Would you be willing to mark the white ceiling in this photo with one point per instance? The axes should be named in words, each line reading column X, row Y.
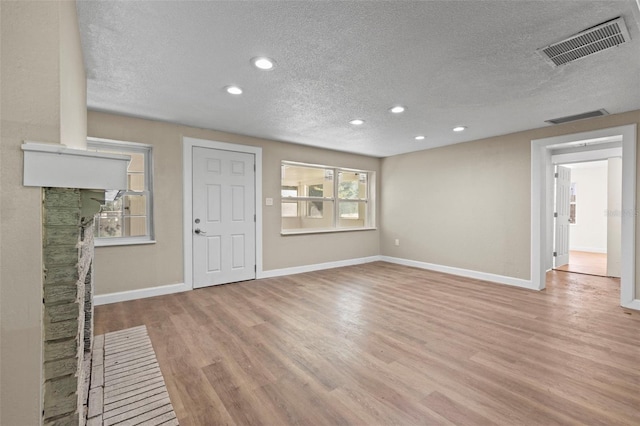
column 471, row 63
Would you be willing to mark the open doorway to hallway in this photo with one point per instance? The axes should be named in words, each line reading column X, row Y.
column 593, row 197
column 542, row 153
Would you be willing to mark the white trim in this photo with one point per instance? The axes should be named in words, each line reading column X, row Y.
column 540, row 211
column 187, row 171
column 123, row 296
column 589, row 249
column 586, row 156
column 484, row 276
column 121, row 241
column 126, row 145
column 634, row 304
column 324, row 231
column 98, row 144
column 317, row 267
column 370, row 200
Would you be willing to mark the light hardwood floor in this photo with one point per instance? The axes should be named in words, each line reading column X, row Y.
column 380, row 344
column 584, row 262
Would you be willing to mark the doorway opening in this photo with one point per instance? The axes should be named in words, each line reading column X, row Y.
column 587, row 199
column 542, row 203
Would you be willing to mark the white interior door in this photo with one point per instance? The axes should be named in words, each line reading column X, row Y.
column 563, row 200
column 224, row 228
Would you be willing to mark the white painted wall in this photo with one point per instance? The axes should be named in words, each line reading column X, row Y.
column 589, row 233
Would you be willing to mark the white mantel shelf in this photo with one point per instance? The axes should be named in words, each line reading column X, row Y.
column 56, row 166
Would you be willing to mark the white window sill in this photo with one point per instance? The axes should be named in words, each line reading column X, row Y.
column 325, row 231
column 111, row 242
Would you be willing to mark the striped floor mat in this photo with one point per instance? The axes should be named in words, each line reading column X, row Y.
column 127, row 387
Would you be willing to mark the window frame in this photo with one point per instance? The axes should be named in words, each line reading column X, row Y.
column 370, row 200
column 110, row 145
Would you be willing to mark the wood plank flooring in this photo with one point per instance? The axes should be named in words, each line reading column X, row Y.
column 380, row 344
column 584, row 262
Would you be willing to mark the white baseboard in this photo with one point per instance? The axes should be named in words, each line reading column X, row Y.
column 317, row 267
column 634, row 304
column 589, row 249
column 500, row 279
column 123, row 296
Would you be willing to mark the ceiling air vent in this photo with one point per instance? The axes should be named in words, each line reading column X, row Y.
column 592, row 40
column 590, row 114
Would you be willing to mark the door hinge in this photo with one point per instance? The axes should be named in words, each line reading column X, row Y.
column 555, row 254
column 255, row 268
column 254, row 217
column 555, row 175
column 254, row 167
column 555, row 214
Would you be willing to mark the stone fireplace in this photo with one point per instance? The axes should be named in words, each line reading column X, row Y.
column 68, row 300
column 73, row 185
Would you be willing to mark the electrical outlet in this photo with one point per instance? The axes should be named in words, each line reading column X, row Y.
column 268, row 201
column 397, row 242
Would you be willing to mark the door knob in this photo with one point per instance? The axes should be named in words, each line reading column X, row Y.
column 199, row 232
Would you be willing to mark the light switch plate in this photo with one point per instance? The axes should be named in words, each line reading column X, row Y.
column 268, row 201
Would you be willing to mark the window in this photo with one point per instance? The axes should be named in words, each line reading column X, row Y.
column 322, row 199
column 127, row 216
column 572, row 204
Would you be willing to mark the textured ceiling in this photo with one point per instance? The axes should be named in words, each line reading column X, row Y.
column 471, row 63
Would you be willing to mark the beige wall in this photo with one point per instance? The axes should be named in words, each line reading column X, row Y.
column 469, row 205
column 136, row 267
column 30, row 90
column 464, row 205
column 73, row 81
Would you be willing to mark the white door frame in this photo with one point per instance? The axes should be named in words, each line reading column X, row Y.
column 542, row 209
column 187, row 170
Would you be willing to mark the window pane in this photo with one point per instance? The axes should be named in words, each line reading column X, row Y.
column 352, row 214
column 108, row 225
column 309, row 181
column 137, row 162
column 135, row 205
column 135, row 226
column 289, row 191
column 136, row 182
column 289, row 209
column 113, row 205
column 308, row 215
column 316, row 190
column 352, row 185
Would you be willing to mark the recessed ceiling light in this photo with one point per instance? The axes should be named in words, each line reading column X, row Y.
column 459, row 128
column 357, row 122
column 263, row 63
column 419, row 138
column 233, row 90
column 397, row 109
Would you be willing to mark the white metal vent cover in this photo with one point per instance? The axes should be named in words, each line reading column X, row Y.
column 592, row 40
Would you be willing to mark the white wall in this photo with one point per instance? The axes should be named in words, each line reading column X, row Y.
column 589, row 233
